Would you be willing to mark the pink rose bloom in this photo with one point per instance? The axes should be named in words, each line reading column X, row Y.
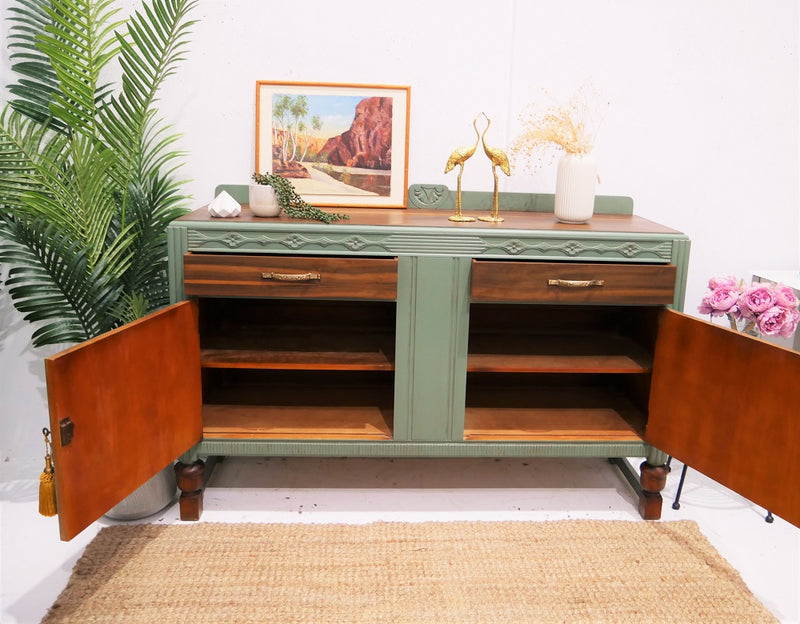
column 755, row 299
column 790, row 326
column 719, row 301
column 771, row 321
column 721, row 282
column 784, row 296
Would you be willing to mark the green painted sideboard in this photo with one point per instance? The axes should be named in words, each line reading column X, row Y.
column 398, row 333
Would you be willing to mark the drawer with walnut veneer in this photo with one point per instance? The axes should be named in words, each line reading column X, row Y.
column 317, row 277
column 572, row 282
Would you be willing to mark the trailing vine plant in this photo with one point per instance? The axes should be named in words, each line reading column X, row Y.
column 291, row 203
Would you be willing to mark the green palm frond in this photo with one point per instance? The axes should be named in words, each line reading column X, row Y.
column 154, row 45
column 58, row 179
column 146, row 282
column 156, row 155
column 21, row 141
column 86, row 168
column 89, row 193
column 51, row 283
column 38, row 82
column 79, row 42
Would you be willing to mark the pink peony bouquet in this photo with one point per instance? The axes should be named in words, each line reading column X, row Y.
column 760, row 308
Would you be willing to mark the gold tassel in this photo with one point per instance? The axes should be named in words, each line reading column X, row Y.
column 47, row 481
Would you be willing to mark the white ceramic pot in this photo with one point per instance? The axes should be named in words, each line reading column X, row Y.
column 576, row 181
column 263, row 201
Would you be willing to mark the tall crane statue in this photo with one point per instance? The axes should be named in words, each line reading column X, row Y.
column 459, row 156
column 499, row 159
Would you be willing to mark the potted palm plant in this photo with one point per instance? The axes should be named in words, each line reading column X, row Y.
column 87, row 182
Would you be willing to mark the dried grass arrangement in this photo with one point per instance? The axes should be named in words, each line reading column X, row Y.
column 553, row 128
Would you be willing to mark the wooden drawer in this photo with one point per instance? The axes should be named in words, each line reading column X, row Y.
column 566, row 282
column 315, row 277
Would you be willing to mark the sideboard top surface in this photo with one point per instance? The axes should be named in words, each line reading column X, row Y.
column 528, row 232
column 433, row 218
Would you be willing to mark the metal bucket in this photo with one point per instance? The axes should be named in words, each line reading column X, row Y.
column 152, row 496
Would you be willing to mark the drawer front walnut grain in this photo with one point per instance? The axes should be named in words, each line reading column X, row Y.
column 565, row 282
column 314, row 277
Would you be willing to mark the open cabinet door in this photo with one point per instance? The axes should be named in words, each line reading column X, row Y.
column 728, row 405
column 122, row 407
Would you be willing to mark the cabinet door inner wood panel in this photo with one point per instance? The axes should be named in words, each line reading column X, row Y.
column 567, row 282
column 726, row 404
column 316, row 277
column 133, row 395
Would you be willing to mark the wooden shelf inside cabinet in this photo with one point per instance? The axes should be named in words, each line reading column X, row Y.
column 563, row 414
column 301, row 350
column 297, row 335
column 292, row 405
column 297, row 422
column 556, row 352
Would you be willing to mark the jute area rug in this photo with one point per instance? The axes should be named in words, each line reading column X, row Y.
column 454, row 572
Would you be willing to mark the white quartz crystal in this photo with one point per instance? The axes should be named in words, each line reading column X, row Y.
column 224, row 206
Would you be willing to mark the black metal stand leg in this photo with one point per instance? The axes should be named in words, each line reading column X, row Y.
column 677, row 502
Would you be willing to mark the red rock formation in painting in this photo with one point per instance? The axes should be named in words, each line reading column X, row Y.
column 368, row 142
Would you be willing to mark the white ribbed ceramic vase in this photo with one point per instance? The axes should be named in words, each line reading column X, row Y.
column 576, row 181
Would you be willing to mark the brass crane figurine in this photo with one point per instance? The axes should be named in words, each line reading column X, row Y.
column 499, row 159
column 459, row 156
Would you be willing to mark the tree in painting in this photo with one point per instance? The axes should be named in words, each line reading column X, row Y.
column 341, row 143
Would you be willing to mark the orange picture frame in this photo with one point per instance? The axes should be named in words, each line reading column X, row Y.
column 339, row 144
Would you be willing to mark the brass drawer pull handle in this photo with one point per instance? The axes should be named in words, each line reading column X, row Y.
column 575, row 283
column 291, row 277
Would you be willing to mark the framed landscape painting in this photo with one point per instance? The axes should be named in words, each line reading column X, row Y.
column 339, row 144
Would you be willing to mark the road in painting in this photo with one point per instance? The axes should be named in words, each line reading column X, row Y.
column 333, row 144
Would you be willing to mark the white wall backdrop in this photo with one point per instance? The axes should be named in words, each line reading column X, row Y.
column 701, row 129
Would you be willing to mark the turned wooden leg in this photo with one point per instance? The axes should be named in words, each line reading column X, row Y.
column 190, row 481
column 653, row 480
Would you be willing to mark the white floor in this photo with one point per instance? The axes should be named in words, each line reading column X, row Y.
column 36, row 565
